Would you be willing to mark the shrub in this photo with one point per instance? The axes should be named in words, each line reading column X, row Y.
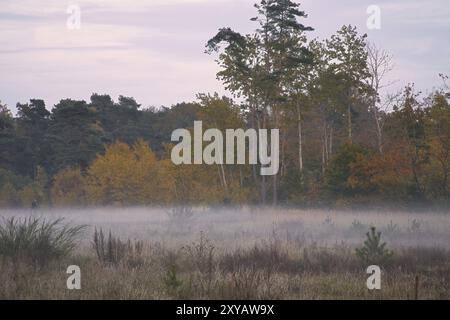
column 171, row 281
column 339, row 172
column 374, row 251
column 37, row 241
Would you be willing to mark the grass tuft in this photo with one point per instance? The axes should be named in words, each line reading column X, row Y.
column 37, row 241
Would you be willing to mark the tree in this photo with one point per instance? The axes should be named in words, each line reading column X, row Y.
column 380, row 64
column 118, row 120
column 222, row 113
column 326, row 92
column 74, row 134
column 32, row 124
column 5, row 117
column 408, row 121
column 68, row 188
column 259, row 65
column 340, row 169
column 348, row 60
column 127, row 175
column 10, row 184
column 374, row 250
column 161, row 123
column 437, row 130
column 8, row 140
column 381, row 177
column 35, row 193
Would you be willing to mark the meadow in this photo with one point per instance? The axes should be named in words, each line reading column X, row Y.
column 217, row 253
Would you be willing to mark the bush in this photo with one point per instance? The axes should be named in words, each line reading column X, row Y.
column 340, row 169
column 374, row 251
column 37, row 241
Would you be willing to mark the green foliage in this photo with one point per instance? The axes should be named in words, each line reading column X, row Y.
column 340, row 168
column 9, row 148
column 294, row 186
column 74, row 135
column 336, row 146
column 10, row 185
column 37, row 241
column 32, row 121
column 374, row 250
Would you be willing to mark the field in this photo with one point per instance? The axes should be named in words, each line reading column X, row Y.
column 248, row 253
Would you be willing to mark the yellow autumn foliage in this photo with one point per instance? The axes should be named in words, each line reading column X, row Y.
column 127, row 175
column 68, row 188
column 133, row 176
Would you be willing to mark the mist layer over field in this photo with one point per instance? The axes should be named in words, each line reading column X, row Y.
column 232, row 228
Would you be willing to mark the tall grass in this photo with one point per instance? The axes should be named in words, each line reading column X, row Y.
column 37, row 241
column 113, row 251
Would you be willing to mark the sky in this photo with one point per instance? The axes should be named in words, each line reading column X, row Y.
column 153, row 50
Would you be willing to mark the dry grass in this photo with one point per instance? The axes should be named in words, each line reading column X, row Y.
column 286, row 254
column 269, row 270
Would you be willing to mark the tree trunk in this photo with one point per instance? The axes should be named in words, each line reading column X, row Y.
column 283, row 155
column 323, row 159
column 324, row 148
column 254, row 125
column 349, row 119
column 275, row 191
column 330, row 149
column 263, row 178
column 325, row 144
column 300, row 139
column 378, row 126
column 275, row 178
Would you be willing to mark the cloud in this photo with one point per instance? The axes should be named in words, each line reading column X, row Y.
column 153, row 50
column 46, row 8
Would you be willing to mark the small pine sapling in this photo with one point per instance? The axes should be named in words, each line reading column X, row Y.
column 374, row 250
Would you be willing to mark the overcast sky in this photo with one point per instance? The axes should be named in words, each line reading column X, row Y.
column 153, row 50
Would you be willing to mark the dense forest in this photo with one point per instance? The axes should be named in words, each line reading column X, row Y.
column 344, row 140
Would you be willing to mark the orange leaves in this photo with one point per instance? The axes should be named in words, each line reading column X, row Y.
column 386, row 175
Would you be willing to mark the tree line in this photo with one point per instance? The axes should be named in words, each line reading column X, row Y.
column 343, row 142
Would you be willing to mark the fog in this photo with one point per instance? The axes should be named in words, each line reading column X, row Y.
column 232, row 228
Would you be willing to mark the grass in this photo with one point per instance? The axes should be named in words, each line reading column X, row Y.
column 272, row 269
column 36, row 241
column 113, row 251
column 144, row 253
